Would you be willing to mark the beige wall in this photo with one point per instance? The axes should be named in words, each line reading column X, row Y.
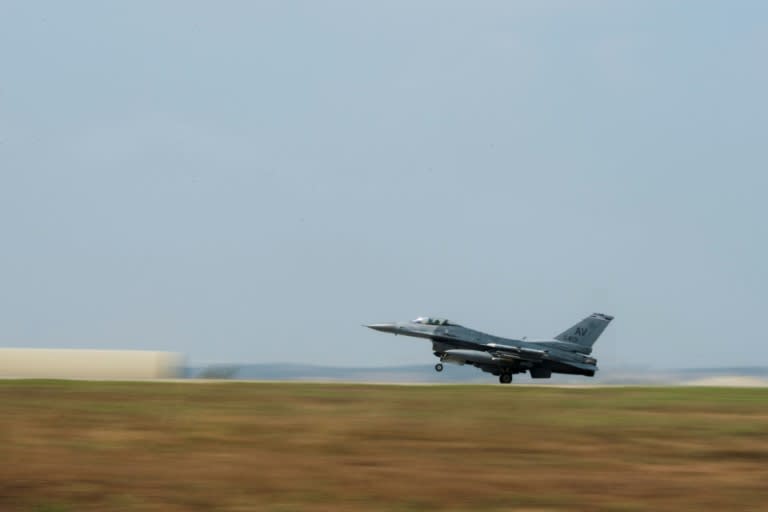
column 88, row 364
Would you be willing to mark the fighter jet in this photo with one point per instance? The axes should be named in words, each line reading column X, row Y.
column 568, row 352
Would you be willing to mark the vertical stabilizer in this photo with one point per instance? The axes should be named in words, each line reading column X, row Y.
column 587, row 331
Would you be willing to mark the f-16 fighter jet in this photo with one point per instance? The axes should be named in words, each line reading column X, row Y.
column 568, row 352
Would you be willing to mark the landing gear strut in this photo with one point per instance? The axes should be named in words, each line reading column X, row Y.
column 505, row 378
column 438, row 367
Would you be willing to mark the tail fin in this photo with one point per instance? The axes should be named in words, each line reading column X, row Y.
column 587, row 331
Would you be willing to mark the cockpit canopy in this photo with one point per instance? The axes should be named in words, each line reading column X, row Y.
column 432, row 321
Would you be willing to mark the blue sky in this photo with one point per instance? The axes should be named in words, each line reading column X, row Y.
column 251, row 181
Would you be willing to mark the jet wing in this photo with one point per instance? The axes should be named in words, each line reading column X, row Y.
column 512, row 352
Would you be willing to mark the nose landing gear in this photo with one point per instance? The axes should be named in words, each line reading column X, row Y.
column 438, row 367
column 505, row 378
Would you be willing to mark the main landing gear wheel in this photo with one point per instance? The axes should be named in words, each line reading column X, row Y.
column 505, row 378
column 438, row 367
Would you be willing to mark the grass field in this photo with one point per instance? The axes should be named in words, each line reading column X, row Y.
column 86, row 446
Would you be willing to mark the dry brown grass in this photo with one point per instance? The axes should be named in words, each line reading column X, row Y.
column 78, row 446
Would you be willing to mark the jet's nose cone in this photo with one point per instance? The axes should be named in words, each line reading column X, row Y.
column 383, row 327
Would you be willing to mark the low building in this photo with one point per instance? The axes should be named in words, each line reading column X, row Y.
column 30, row 363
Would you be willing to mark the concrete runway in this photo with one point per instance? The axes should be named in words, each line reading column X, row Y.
column 723, row 382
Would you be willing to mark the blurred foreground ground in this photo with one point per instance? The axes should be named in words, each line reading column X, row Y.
column 97, row 446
